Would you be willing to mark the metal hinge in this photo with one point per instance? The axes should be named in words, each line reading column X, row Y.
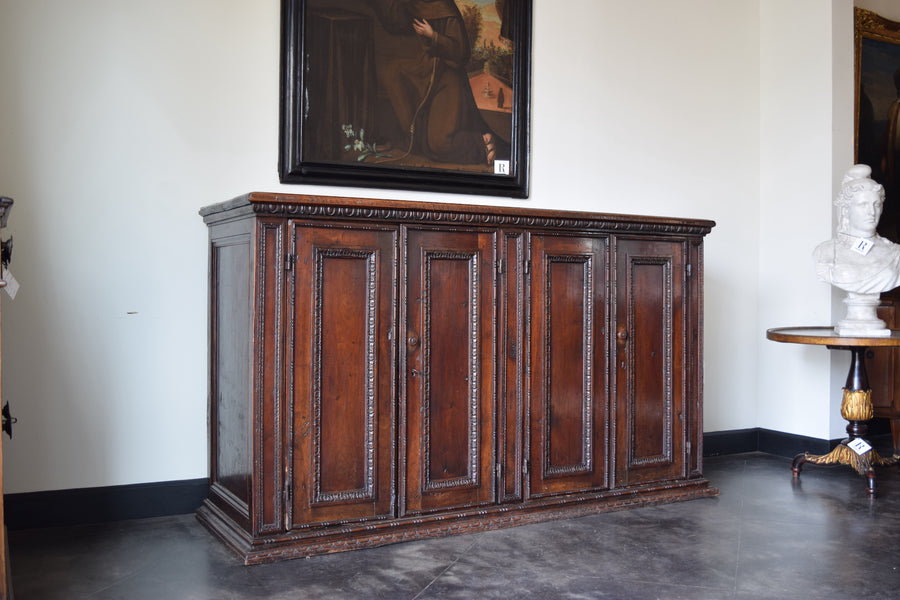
column 688, row 269
column 289, row 262
column 527, row 266
column 526, row 466
column 498, row 471
column 500, row 266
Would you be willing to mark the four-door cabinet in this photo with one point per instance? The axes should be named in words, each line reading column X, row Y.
column 383, row 371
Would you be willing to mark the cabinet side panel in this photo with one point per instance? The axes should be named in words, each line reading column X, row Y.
column 230, row 362
column 693, row 366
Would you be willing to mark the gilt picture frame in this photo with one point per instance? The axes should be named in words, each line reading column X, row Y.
column 426, row 95
column 877, row 109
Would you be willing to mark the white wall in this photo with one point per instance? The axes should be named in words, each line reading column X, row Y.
column 120, row 120
column 797, row 179
column 807, row 102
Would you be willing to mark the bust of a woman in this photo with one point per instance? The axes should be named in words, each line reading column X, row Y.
column 858, row 260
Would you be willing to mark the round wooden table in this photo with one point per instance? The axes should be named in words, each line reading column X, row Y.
column 856, row 404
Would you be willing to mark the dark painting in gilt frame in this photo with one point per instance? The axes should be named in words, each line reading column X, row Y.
column 878, row 109
column 427, row 95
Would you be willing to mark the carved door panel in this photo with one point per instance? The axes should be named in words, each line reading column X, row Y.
column 650, row 361
column 568, row 387
column 341, row 359
column 448, row 368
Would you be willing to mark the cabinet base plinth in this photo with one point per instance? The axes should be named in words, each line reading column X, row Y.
column 370, row 534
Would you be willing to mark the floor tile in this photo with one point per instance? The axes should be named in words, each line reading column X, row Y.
column 767, row 535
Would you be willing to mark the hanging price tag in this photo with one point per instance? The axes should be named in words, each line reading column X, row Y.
column 12, row 286
column 862, row 246
column 860, row 446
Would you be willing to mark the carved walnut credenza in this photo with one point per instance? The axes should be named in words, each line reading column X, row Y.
column 382, row 371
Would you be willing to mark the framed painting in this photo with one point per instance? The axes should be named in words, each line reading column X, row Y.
column 429, row 95
column 877, row 109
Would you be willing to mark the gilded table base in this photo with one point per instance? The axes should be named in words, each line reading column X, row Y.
column 856, row 407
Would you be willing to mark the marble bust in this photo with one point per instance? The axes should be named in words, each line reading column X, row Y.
column 857, row 259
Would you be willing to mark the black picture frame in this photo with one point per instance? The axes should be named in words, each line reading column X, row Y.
column 336, row 56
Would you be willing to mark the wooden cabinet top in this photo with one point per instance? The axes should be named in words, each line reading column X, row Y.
column 397, row 211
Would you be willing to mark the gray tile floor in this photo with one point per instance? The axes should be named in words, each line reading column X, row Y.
column 765, row 536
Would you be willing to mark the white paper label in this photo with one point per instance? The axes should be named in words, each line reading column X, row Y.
column 501, row 167
column 862, row 246
column 860, row 446
column 12, row 286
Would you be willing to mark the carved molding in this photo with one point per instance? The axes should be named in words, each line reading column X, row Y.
column 870, row 24
column 368, row 491
column 473, row 371
column 268, row 367
column 292, row 207
column 587, row 436
column 369, row 535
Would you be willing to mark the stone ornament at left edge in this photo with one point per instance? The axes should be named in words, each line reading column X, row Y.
column 857, row 259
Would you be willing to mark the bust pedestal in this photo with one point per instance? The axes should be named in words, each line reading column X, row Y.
column 862, row 319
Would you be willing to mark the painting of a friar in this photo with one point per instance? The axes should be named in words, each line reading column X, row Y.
column 415, row 83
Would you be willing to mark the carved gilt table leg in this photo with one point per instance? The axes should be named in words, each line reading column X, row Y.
column 857, row 409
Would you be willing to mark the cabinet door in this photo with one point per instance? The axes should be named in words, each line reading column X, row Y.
column 650, row 361
column 342, row 366
column 449, row 369
column 568, row 386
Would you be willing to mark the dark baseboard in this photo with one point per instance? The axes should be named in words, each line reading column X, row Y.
column 736, row 441
column 790, row 445
column 59, row 508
